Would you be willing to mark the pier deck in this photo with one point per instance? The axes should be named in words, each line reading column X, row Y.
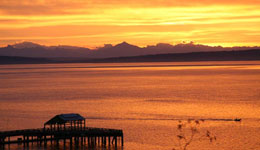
column 84, row 135
column 64, row 127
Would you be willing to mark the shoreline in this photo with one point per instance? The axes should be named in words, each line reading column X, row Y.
column 245, row 55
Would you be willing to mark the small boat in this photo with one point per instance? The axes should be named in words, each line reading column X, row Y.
column 237, row 119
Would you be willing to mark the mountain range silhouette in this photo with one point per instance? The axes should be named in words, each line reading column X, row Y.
column 124, row 49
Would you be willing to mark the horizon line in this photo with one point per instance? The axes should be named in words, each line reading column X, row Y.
column 102, row 46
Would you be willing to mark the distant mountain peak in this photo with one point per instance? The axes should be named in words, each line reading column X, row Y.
column 26, row 45
column 124, row 44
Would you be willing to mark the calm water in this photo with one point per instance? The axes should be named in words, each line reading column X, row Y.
column 146, row 100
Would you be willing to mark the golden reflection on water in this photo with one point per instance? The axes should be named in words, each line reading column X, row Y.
column 146, row 100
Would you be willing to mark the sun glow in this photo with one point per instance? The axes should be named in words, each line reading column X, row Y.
column 93, row 24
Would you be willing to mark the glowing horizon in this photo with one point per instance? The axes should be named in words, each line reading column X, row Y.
column 94, row 23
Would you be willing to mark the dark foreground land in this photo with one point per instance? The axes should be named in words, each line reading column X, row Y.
column 244, row 55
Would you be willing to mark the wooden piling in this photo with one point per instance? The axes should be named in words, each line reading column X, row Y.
column 115, row 141
column 122, row 140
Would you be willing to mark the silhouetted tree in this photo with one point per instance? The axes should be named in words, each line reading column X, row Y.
column 194, row 133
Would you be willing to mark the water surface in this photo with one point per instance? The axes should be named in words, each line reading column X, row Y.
column 146, row 100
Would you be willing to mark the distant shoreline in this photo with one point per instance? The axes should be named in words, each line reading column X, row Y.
column 242, row 55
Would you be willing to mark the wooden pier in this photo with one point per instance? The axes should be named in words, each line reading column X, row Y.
column 72, row 131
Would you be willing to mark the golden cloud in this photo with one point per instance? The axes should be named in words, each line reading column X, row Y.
column 103, row 21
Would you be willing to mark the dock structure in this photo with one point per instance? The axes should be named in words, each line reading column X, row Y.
column 64, row 128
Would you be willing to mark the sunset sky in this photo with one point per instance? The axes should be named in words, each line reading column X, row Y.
column 92, row 23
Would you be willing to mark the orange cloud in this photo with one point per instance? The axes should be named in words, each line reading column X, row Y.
column 40, row 7
column 93, row 23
